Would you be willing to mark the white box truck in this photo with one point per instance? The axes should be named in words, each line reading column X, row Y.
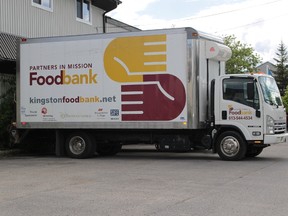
column 163, row 87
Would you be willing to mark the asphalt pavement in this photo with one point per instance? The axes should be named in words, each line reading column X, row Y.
column 142, row 181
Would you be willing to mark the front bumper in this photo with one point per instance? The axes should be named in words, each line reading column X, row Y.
column 276, row 138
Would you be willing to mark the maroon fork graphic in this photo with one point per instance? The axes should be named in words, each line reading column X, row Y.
column 161, row 97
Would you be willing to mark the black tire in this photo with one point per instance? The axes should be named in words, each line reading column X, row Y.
column 108, row 150
column 80, row 145
column 254, row 151
column 231, row 146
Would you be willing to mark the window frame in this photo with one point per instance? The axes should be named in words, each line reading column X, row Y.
column 42, row 6
column 79, row 19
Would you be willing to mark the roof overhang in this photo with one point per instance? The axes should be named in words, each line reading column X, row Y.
column 106, row 5
column 8, row 45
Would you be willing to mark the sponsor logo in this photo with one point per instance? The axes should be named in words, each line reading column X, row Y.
column 44, row 110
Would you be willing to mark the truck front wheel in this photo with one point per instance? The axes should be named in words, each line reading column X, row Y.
column 80, row 145
column 231, row 146
column 254, row 151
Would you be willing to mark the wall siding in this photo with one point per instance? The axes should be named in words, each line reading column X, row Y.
column 113, row 28
column 19, row 17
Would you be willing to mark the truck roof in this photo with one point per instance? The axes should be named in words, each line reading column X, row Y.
column 248, row 75
column 191, row 32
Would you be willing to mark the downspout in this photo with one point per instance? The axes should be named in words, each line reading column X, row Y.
column 104, row 15
column 104, row 20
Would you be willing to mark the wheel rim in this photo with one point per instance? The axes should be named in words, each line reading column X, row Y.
column 230, row 146
column 77, row 145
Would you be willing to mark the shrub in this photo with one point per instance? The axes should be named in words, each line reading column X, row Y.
column 7, row 109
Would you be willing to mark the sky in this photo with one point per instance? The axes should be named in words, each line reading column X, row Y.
column 262, row 24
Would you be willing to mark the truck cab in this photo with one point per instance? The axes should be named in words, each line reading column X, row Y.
column 247, row 106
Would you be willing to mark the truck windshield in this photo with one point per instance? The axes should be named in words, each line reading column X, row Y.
column 270, row 91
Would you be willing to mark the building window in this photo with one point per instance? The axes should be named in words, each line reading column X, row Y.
column 83, row 11
column 43, row 4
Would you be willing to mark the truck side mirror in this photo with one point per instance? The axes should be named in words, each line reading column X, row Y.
column 250, row 91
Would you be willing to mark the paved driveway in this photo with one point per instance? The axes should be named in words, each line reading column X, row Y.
column 145, row 182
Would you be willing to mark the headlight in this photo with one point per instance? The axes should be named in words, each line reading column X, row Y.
column 270, row 125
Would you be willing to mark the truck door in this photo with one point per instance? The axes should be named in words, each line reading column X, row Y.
column 240, row 106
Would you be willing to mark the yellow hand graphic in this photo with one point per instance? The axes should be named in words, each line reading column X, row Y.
column 127, row 59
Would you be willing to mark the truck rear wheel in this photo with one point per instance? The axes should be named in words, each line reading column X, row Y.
column 80, row 145
column 231, row 146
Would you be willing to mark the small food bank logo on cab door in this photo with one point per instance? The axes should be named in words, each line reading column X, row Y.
column 239, row 114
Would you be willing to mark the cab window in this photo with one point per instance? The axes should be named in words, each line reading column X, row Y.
column 236, row 89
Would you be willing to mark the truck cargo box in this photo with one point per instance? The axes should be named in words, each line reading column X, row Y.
column 122, row 80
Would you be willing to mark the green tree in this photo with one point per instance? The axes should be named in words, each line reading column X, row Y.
column 285, row 99
column 281, row 73
column 243, row 58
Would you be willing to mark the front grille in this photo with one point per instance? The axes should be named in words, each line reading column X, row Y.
column 279, row 127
